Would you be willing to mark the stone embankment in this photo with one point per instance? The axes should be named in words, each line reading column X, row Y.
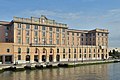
column 33, row 66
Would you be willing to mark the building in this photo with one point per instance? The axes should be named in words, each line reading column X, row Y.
column 43, row 40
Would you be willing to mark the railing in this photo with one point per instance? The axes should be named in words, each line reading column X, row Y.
column 42, row 45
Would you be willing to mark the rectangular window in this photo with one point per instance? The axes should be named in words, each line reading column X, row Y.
column 27, row 40
column 43, row 34
column 67, row 33
column 77, row 34
column 50, row 41
column 63, row 35
column 19, row 57
column 36, row 27
column 63, row 41
column 51, row 34
column 73, row 34
column 19, row 50
column 50, row 28
column 19, row 25
column 69, row 50
column 36, row 40
column 19, row 40
column 27, row 26
column 57, row 29
column 63, row 30
column 57, row 35
column 57, row 41
column 28, row 50
column 19, row 32
column 43, row 28
column 84, row 55
column 27, row 33
column 80, row 56
column 35, row 33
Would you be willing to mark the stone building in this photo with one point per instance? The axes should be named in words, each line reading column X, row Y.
column 43, row 40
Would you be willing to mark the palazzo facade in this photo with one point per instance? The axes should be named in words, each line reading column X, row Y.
column 30, row 40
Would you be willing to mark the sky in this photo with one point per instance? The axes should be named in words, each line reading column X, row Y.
column 78, row 14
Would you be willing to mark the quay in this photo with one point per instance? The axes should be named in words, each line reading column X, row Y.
column 47, row 65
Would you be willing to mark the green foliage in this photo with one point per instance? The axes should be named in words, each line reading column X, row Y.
column 114, row 54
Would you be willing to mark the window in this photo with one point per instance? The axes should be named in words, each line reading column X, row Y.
column 81, row 39
column 27, row 26
column 43, row 28
column 63, row 50
column 57, row 35
column 77, row 34
column 57, row 29
column 19, row 25
column 50, row 28
column 36, row 40
column 98, row 55
column 27, row 40
column 8, row 50
column 27, row 33
column 85, row 51
column 36, row 27
column 57, row 41
column 89, row 50
column 57, row 50
column 89, row 55
column 63, row 30
column 19, row 57
column 50, row 34
column 73, row 34
column 6, row 34
column 19, row 50
column 94, row 50
column 63, row 41
column 94, row 55
column 80, row 55
column 63, row 35
column 69, row 50
column 74, row 50
column 69, row 56
column 43, row 34
column 19, row 40
column 36, row 33
column 80, row 51
column 63, row 56
column 50, row 40
column 67, row 33
column 74, row 55
column 19, row 32
column 84, row 55
column 28, row 50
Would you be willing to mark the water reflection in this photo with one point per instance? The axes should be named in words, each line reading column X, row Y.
column 92, row 72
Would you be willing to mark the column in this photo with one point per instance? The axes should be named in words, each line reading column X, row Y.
column 3, row 59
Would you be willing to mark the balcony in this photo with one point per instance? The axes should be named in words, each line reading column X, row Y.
column 42, row 45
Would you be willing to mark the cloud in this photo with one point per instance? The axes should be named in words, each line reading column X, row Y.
column 58, row 14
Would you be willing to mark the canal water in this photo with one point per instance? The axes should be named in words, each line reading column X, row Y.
column 88, row 72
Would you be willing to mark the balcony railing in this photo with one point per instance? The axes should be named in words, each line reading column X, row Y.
column 42, row 45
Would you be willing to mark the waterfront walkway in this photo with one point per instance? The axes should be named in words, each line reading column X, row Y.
column 52, row 64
